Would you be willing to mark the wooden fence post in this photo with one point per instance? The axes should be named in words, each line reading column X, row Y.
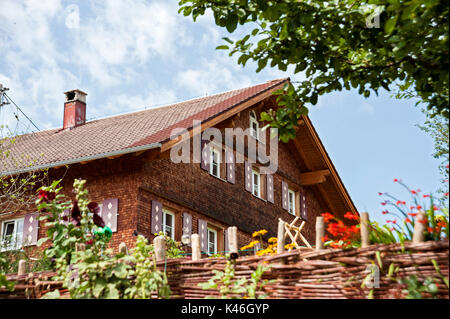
column 123, row 249
column 233, row 242
column 364, row 224
column 80, row 247
column 280, row 237
column 159, row 243
column 419, row 228
column 195, row 242
column 320, row 232
column 22, row 267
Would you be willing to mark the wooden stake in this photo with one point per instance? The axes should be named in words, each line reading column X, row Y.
column 280, row 239
column 233, row 241
column 320, row 232
column 419, row 228
column 22, row 267
column 195, row 242
column 159, row 244
column 123, row 248
column 364, row 217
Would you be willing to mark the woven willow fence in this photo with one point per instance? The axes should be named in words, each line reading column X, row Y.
column 302, row 273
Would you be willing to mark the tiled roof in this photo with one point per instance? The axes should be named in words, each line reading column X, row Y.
column 128, row 131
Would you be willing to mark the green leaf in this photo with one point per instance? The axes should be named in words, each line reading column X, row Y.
column 52, row 295
column 390, row 25
column 41, row 241
column 222, row 47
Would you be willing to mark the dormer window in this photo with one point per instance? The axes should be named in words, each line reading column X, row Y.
column 254, row 125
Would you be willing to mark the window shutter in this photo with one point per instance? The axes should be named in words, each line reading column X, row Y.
column 303, row 210
column 156, row 217
column 187, row 223
column 203, row 233
column 230, row 166
column 284, row 195
column 269, row 188
column 109, row 212
column 206, row 155
column 30, row 229
column 248, row 176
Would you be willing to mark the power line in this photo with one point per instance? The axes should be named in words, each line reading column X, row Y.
column 6, row 99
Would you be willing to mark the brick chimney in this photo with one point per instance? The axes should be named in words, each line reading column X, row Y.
column 74, row 109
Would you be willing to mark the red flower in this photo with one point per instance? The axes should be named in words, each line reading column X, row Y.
column 350, row 216
column 89, row 242
column 395, row 180
column 388, row 221
column 446, row 194
column 435, row 207
column 383, row 203
column 46, row 196
column 426, row 195
column 423, row 221
column 419, row 207
column 325, row 238
column 327, row 217
column 394, row 221
column 411, row 207
column 384, row 212
column 430, row 229
column 412, row 214
column 413, row 192
column 407, row 220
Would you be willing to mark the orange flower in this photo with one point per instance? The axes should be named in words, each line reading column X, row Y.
column 327, row 217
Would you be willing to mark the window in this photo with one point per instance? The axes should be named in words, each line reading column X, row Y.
column 291, row 199
column 254, row 125
column 256, row 183
column 11, row 234
column 215, row 162
column 212, row 241
column 168, row 225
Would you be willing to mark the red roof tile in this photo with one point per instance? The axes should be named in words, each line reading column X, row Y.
column 119, row 133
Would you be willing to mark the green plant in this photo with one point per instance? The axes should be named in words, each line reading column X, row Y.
column 3, row 281
column 173, row 248
column 231, row 287
column 92, row 270
column 415, row 288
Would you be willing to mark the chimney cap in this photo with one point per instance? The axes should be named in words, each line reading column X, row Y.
column 76, row 90
column 76, row 94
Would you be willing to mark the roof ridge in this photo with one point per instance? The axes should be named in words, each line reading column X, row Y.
column 189, row 100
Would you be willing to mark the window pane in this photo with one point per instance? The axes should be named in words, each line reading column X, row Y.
column 211, row 242
column 8, row 229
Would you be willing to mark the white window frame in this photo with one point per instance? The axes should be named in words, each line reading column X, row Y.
column 211, row 163
column 165, row 213
column 293, row 211
column 254, row 120
column 215, row 241
column 258, row 189
column 18, row 243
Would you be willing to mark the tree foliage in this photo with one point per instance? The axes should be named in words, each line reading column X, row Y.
column 338, row 45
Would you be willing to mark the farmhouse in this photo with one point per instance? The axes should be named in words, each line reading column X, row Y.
column 127, row 163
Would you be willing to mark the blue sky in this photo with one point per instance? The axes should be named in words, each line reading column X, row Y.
column 130, row 55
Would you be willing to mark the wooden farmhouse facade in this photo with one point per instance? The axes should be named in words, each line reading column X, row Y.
column 127, row 163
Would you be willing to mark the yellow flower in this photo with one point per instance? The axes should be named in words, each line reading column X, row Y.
column 253, row 243
column 259, row 232
column 272, row 240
